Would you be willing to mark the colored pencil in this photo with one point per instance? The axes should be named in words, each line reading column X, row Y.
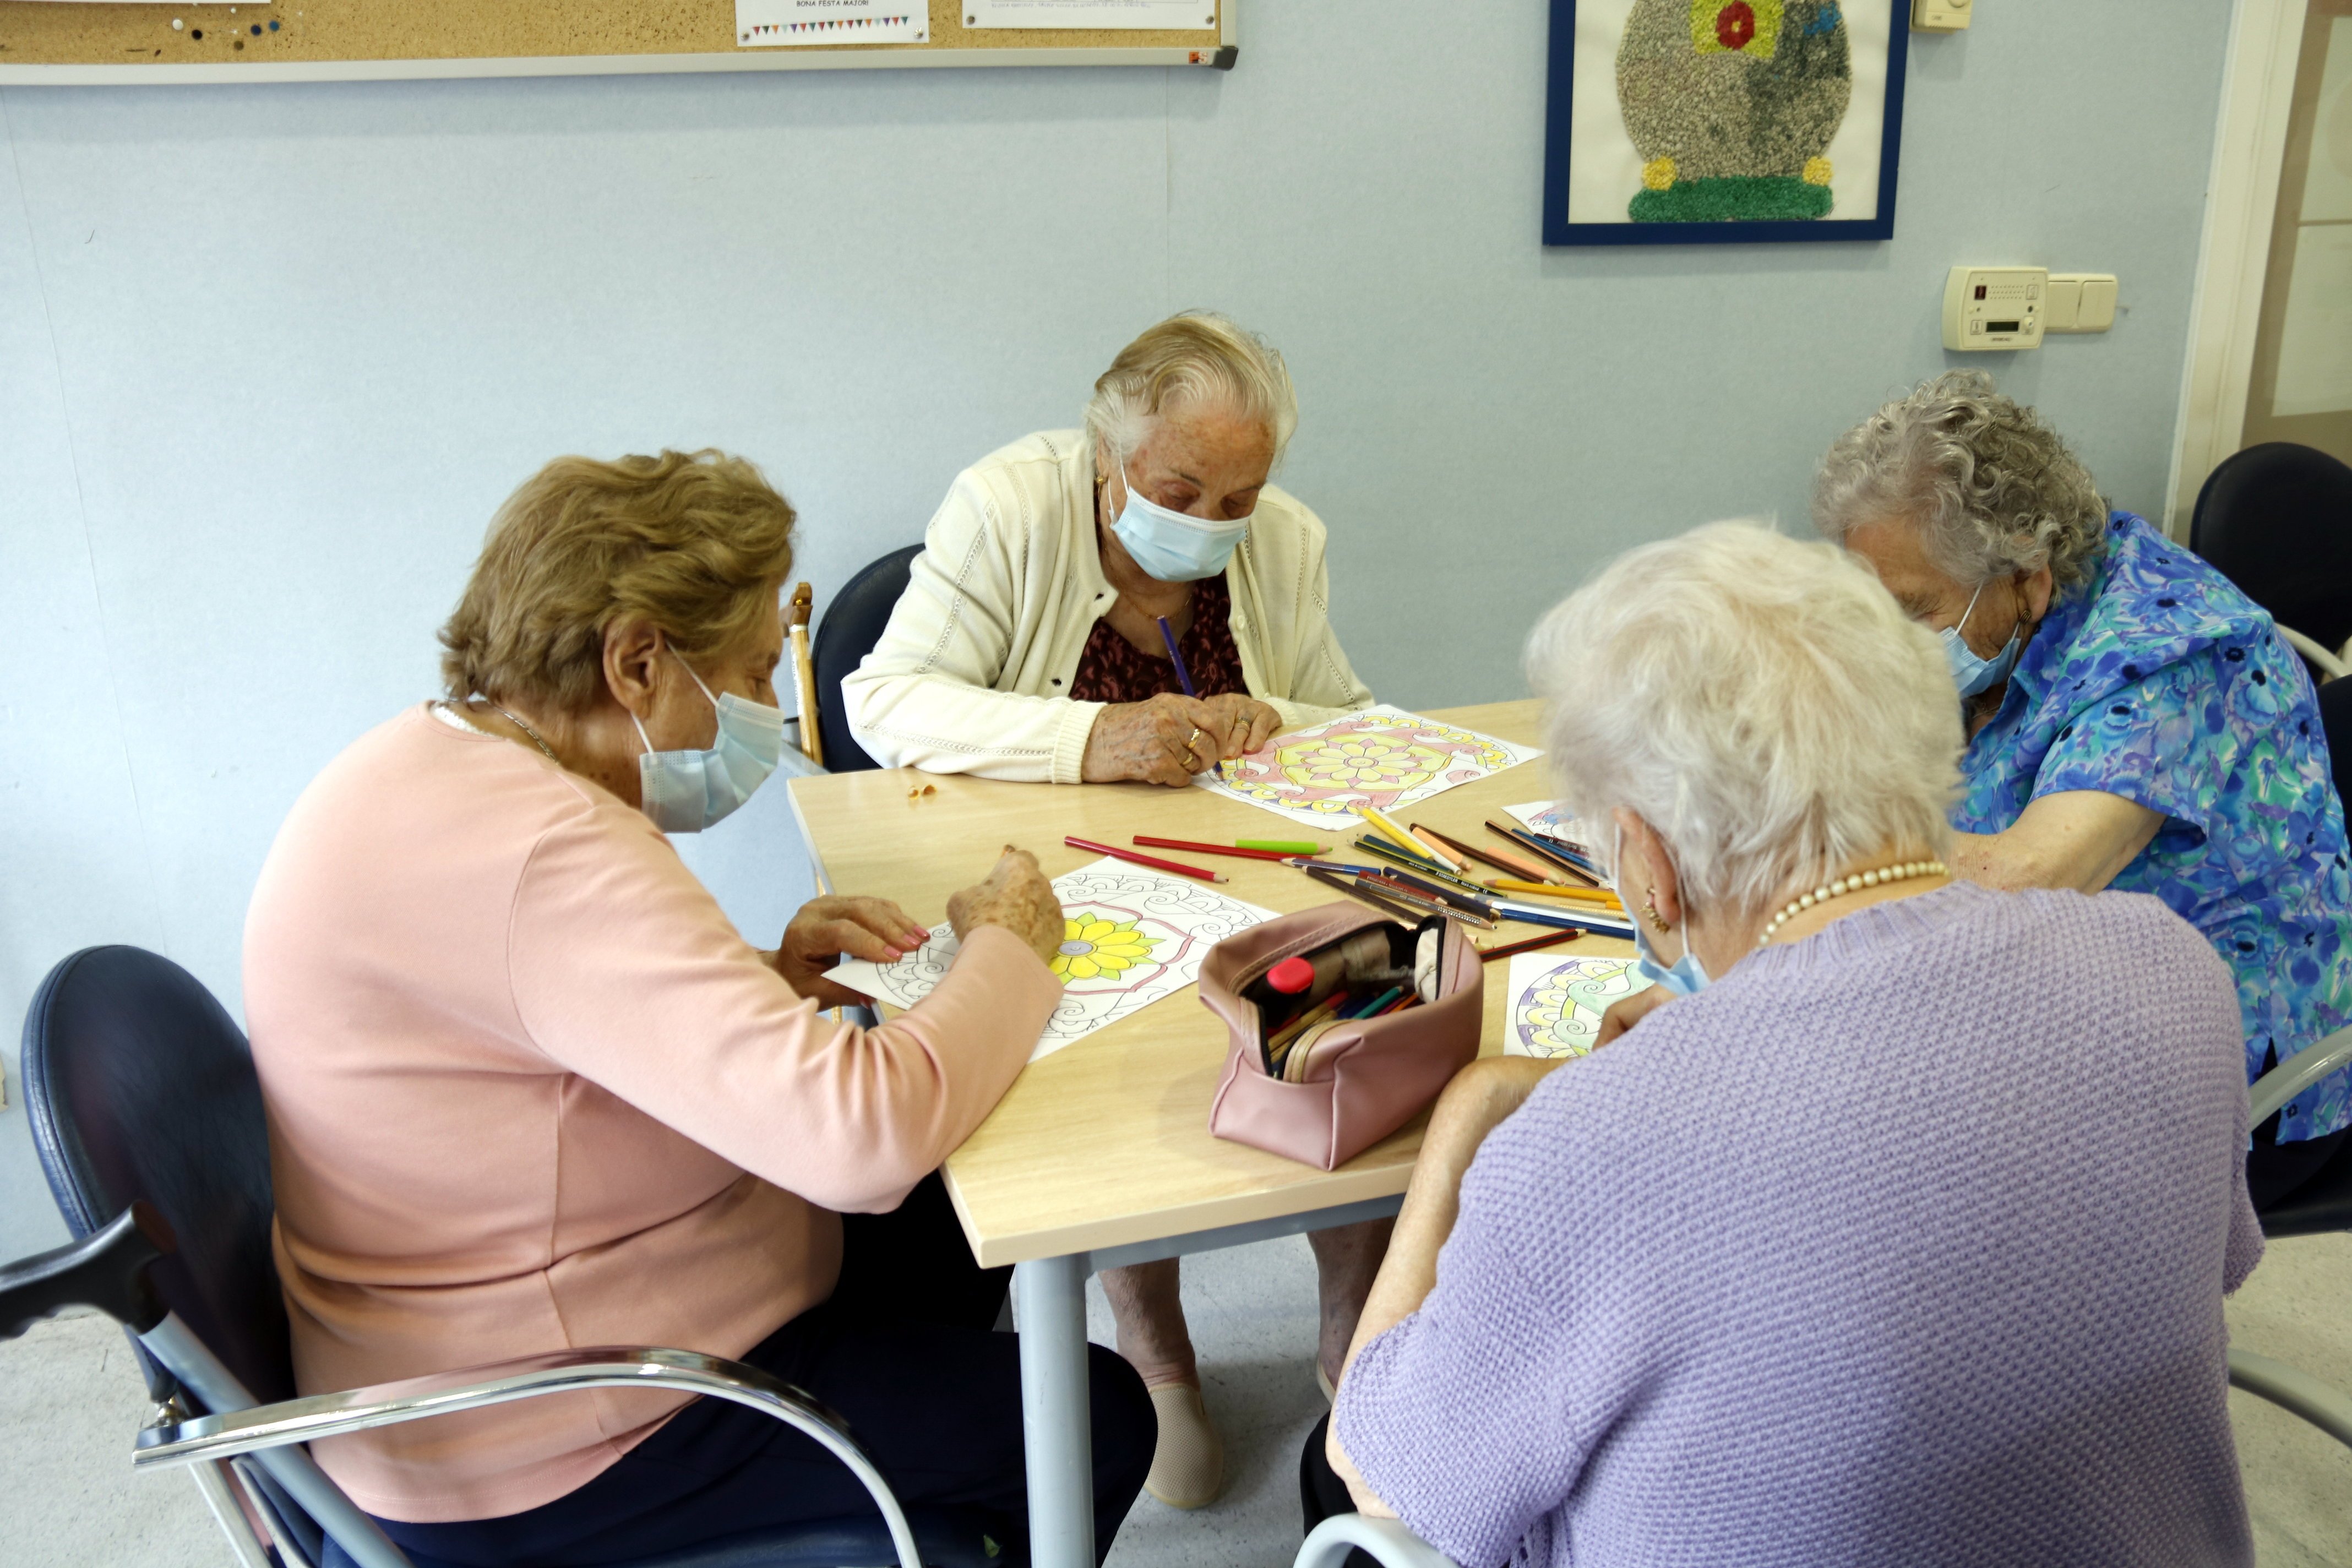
column 1528, row 914
column 1235, row 850
column 1550, row 890
column 1400, row 1004
column 1132, row 857
column 1528, row 945
column 1430, row 888
column 1280, row 846
column 1437, row 846
column 1395, row 908
column 1382, row 849
column 1183, row 676
column 1404, row 841
column 1378, row 1003
column 1425, row 903
column 1522, row 837
column 1501, row 859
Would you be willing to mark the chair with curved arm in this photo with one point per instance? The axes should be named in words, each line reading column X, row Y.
column 147, row 1117
column 2321, row 1203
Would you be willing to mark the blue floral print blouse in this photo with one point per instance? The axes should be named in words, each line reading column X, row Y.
column 2158, row 682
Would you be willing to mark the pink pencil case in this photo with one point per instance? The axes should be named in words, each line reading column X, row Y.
column 1360, row 1080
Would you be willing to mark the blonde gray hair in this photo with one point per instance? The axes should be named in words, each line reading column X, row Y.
column 1990, row 487
column 1197, row 356
column 1760, row 702
column 696, row 542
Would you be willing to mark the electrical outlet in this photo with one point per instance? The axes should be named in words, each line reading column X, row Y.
column 1994, row 308
column 1940, row 16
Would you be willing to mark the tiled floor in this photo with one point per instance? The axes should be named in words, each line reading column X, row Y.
column 69, row 1402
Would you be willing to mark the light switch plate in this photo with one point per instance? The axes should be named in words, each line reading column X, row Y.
column 1940, row 16
column 1994, row 308
column 2080, row 302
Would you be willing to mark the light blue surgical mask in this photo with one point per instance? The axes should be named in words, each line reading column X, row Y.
column 1970, row 673
column 686, row 792
column 1687, row 976
column 1174, row 546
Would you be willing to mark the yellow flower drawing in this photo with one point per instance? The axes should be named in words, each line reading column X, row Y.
column 1094, row 948
column 1363, row 762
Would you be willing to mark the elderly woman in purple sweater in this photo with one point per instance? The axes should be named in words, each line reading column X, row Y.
column 1899, row 1235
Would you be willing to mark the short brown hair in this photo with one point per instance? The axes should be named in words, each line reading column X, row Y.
column 697, row 542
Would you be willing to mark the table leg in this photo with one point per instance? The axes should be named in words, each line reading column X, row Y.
column 1049, row 1299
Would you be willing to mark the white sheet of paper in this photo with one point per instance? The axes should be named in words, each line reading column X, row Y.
column 1381, row 757
column 1187, row 15
column 1557, row 1003
column 1546, row 817
column 770, row 23
column 1130, row 938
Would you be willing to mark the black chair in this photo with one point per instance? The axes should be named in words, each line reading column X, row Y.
column 2336, row 719
column 2276, row 520
column 147, row 1117
column 852, row 625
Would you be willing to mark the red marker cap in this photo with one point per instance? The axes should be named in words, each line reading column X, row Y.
column 1291, row 976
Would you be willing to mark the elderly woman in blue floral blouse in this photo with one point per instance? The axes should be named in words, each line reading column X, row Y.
column 2134, row 720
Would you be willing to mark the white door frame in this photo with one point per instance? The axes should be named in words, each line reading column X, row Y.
column 2240, row 200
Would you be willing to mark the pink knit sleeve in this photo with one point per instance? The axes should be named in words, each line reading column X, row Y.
column 625, row 971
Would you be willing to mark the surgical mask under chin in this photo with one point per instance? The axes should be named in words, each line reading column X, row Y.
column 1174, row 546
column 1970, row 673
column 1687, row 976
column 686, row 792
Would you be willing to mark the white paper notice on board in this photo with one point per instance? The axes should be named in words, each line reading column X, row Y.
column 1186, row 15
column 768, row 24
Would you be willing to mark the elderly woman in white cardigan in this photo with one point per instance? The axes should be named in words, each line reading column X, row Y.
column 1030, row 646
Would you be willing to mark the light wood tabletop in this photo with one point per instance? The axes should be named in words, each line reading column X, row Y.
column 1106, row 1143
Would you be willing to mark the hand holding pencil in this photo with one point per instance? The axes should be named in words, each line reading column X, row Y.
column 1168, row 739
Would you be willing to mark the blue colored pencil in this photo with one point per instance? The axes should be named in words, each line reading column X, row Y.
column 1183, row 676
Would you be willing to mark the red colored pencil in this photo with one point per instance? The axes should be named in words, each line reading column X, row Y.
column 1234, row 850
column 1157, row 864
column 1504, row 950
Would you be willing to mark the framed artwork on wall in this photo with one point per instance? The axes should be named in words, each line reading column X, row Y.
column 1700, row 122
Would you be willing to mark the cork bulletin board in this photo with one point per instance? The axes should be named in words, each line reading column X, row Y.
column 43, row 42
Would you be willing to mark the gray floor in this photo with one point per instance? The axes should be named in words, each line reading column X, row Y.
column 69, row 1402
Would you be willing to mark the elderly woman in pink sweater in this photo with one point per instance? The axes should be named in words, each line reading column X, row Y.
column 528, row 1089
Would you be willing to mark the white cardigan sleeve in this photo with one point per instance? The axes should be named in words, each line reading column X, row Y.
column 1323, row 684
column 926, row 697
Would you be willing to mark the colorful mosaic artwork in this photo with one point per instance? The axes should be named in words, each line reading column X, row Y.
column 1732, row 105
column 1130, row 938
column 1557, row 1003
column 1381, row 757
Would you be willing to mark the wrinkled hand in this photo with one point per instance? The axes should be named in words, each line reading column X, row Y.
column 1625, row 1014
column 826, row 928
column 1167, row 739
column 1015, row 896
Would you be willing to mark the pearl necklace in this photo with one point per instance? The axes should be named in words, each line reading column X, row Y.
column 1852, row 884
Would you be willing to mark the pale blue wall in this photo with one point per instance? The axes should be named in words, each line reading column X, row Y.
column 269, row 356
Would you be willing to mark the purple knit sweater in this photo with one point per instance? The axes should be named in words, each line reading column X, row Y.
column 1902, row 1244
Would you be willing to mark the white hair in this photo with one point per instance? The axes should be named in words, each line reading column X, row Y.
column 1197, row 356
column 1989, row 485
column 1761, row 702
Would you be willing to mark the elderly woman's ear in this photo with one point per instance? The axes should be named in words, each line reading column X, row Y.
column 633, row 648
column 1648, row 883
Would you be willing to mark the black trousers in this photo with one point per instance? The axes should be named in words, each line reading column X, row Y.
column 904, row 1350
column 2274, row 1170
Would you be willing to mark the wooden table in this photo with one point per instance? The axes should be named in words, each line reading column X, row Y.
column 1101, row 1154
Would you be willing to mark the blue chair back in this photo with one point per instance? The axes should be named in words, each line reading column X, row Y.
column 2276, row 520
column 853, row 623
column 138, row 1084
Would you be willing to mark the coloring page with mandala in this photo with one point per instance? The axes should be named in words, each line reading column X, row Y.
column 1557, row 1003
column 1383, row 757
column 1554, row 821
column 1129, row 937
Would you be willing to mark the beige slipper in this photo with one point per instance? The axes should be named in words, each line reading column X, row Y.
column 1188, row 1467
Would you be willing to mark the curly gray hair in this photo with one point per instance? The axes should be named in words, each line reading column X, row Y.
column 1990, row 486
column 1194, row 356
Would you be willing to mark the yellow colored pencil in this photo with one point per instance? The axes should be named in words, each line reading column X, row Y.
column 1556, row 890
column 1404, row 841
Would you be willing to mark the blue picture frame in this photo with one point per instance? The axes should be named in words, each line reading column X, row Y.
column 1560, row 121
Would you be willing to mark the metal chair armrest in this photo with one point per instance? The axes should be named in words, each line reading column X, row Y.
column 1388, row 1539
column 524, row 1377
column 2323, row 1058
column 2295, row 1390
